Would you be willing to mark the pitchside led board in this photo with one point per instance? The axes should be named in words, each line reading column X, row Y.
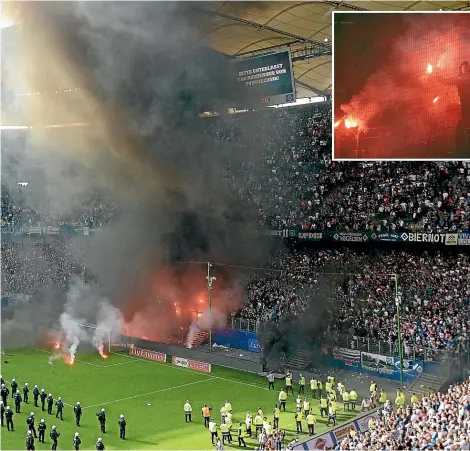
column 267, row 79
column 401, row 85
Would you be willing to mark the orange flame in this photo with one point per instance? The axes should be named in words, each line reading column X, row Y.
column 337, row 123
column 429, row 68
column 435, row 100
column 104, row 356
column 350, row 123
column 56, row 345
column 68, row 359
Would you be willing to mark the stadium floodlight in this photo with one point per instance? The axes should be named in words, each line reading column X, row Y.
column 210, row 280
column 104, row 334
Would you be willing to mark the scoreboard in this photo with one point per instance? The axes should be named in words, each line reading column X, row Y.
column 267, row 79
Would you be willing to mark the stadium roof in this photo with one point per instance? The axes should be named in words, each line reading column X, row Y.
column 242, row 28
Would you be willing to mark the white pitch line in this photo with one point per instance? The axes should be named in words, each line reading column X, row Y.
column 115, row 364
column 76, row 360
column 82, row 361
column 192, row 371
column 146, row 394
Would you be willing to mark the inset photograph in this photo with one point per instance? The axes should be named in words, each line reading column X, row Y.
column 401, row 86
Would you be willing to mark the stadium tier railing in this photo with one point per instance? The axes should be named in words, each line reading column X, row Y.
column 387, row 348
column 244, row 325
column 390, row 348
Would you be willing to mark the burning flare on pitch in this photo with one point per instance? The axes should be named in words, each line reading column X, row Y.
column 429, row 68
column 101, row 351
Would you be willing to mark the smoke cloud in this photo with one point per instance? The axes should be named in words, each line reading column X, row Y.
column 137, row 74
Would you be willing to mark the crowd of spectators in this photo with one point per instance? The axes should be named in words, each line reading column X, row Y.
column 18, row 210
column 438, row 421
column 298, row 185
column 434, row 293
column 31, row 265
column 290, row 176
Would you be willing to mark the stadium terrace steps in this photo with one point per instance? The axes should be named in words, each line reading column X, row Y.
column 425, row 383
column 299, row 360
column 199, row 339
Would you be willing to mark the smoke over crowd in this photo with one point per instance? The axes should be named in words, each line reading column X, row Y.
column 407, row 92
column 139, row 74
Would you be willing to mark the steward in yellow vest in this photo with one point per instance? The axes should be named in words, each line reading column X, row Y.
column 298, row 421
column 382, row 397
column 213, row 430
column 187, row 411
column 313, row 387
column 277, row 414
column 353, row 399
column 311, row 423
column 345, row 400
column 282, row 399
column 302, row 385
column 323, row 406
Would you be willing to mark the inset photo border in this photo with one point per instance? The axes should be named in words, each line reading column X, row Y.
column 401, row 85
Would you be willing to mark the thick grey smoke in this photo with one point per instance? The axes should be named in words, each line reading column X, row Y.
column 144, row 71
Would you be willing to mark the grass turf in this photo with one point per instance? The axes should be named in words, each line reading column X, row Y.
column 125, row 384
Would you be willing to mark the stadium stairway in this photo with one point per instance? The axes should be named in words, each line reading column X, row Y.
column 198, row 339
column 425, row 383
column 299, row 360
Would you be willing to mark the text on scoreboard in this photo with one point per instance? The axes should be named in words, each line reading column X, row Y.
column 266, row 79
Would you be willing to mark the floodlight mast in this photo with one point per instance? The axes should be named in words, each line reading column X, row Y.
column 210, row 280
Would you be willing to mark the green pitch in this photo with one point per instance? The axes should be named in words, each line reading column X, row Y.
column 150, row 395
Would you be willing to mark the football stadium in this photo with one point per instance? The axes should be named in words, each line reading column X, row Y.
column 235, row 225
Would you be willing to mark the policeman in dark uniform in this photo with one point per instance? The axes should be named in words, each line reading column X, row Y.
column 2, row 412
column 42, row 430
column 4, row 392
column 50, row 403
column 2, row 382
column 241, row 440
column 43, row 397
column 36, row 395
column 30, row 441
column 30, row 422
column 100, row 444
column 102, row 419
column 77, row 410
column 54, row 436
column 9, row 418
column 18, row 400
column 14, row 387
column 60, row 407
column 122, row 427
column 76, row 441
column 25, row 392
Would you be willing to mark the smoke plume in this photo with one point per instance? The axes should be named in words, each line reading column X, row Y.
column 131, row 78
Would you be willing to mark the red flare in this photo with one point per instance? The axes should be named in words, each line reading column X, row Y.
column 337, row 123
column 435, row 100
column 429, row 68
column 104, row 356
column 68, row 359
column 350, row 123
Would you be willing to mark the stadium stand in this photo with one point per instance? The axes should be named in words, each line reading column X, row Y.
column 303, row 187
column 438, row 421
